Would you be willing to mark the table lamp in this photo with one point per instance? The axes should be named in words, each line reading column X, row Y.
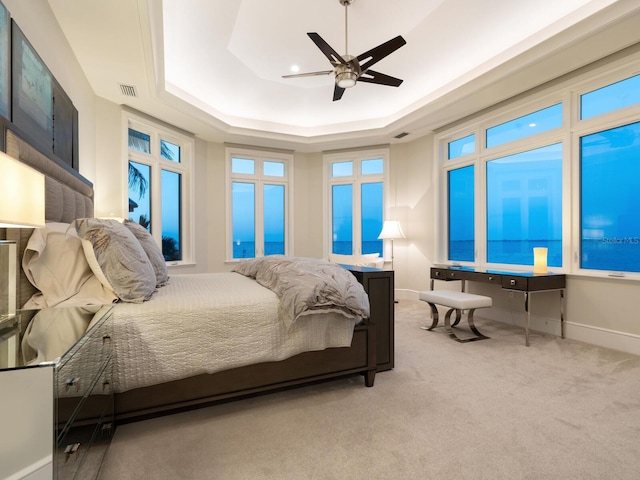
column 22, row 206
column 540, row 259
column 391, row 230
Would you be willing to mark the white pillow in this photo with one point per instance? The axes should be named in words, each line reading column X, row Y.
column 366, row 260
column 55, row 264
column 117, row 258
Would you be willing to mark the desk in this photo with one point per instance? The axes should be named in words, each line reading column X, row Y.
column 525, row 282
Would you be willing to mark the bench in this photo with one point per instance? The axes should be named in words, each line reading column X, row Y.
column 458, row 302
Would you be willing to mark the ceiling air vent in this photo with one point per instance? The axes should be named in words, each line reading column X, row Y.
column 128, row 90
column 400, row 135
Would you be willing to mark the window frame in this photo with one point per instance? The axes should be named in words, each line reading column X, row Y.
column 259, row 180
column 158, row 131
column 356, row 179
column 568, row 92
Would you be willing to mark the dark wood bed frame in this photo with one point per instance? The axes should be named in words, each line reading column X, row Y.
column 70, row 196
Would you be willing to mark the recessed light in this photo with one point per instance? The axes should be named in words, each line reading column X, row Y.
column 295, row 68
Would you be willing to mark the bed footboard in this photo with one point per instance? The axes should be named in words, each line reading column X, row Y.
column 307, row 367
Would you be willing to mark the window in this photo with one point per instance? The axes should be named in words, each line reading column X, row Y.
column 612, row 97
column 462, row 146
column 547, row 178
column 461, row 247
column 524, row 206
column 356, row 199
column 159, row 176
column 609, row 199
column 259, row 198
column 521, row 127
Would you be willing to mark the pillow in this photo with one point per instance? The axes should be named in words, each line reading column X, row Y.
column 117, row 259
column 152, row 250
column 55, row 264
column 366, row 260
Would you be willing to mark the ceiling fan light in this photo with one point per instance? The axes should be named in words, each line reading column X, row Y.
column 346, row 79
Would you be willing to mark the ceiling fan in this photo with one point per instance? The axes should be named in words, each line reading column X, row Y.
column 348, row 69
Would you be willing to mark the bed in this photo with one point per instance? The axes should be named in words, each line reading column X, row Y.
column 316, row 346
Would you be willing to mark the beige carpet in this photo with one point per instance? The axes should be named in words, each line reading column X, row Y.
column 493, row 409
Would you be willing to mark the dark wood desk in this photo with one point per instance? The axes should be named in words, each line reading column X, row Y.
column 524, row 282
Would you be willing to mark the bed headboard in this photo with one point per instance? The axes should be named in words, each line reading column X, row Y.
column 67, row 196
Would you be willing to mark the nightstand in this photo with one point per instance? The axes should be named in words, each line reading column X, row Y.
column 55, row 379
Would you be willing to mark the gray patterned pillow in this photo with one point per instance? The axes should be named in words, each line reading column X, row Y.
column 152, row 250
column 117, row 259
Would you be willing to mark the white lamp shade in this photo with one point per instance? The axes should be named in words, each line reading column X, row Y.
column 391, row 230
column 22, row 187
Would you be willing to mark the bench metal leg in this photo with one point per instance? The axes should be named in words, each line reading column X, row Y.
column 435, row 318
column 472, row 326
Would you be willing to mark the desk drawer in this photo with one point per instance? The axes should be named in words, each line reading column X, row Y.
column 515, row 282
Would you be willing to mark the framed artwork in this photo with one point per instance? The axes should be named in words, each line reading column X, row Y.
column 32, row 89
column 5, row 62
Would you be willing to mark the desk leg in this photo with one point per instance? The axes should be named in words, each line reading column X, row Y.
column 562, row 313
column 527, row 310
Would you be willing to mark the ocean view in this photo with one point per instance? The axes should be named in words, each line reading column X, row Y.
column 622, row 255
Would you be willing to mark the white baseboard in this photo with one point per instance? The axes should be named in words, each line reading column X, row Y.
column 601, row 337
column 39, row 470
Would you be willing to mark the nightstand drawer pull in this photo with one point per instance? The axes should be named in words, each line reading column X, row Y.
column 71, row 382
column 106, row 429
column 71, row 449
column 512, row 282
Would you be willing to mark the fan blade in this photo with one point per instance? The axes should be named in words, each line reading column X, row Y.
column 334, row 57
column 378, row 53
column 380, row 78
column 309, row 74
column 337, row 93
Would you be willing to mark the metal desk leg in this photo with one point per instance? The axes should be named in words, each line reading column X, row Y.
column 562, row 313
column 527, row 307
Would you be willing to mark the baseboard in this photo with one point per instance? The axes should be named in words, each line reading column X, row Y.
column 601, row 337
column 39, row 470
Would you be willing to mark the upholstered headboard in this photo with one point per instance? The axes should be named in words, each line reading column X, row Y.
column 67, row 196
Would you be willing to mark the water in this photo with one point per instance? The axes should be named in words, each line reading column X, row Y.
column 622, row 255
column 247, row 249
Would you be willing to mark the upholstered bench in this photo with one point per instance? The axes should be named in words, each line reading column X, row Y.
column 458, row 302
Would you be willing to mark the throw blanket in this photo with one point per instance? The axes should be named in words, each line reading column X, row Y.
column 308, row 285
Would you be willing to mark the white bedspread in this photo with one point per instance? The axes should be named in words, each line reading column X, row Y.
column 204, row 323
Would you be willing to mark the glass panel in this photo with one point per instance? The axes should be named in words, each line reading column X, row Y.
column 171, row 216
column 612, row 97
column 524, row 206
column 342, row 219
column 372, row 206
column 274, row 220
column 139, row 194
column 273, row 169
column 243, row 219
column 610, row 195
column 170, row 151
column 462, row 146
column 243, row 165
column 525, row 126
column 372, row 167
column 139, row 141
column 342, row 169
column 461, row 214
